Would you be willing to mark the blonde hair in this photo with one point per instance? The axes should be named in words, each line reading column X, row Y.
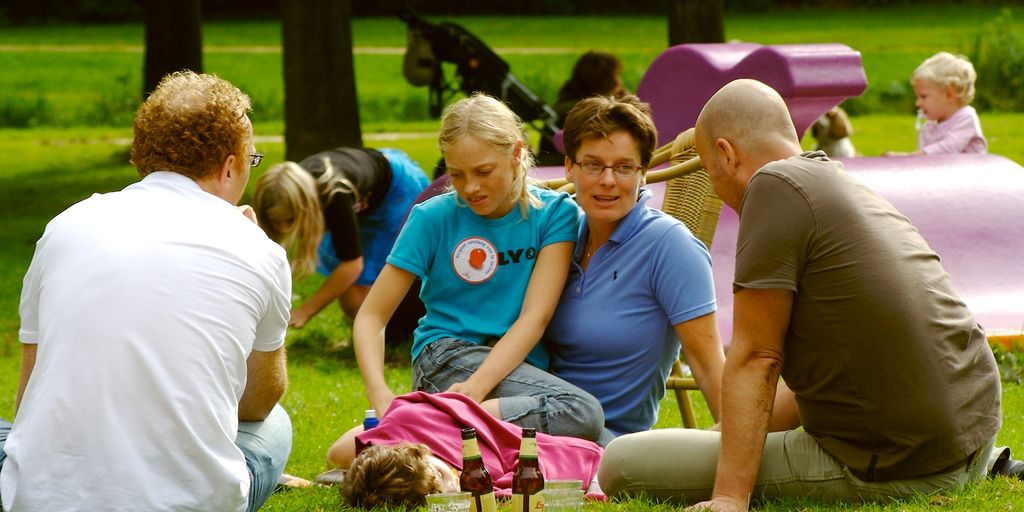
column 491, row 122
column 286, row 196
column 948, row 70
column 390, row 475
column 190, row 125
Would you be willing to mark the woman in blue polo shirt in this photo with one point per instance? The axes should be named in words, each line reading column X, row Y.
column 640, row 282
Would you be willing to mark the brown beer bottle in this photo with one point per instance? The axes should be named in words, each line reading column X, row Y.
column 475, row 478
column 527, row 480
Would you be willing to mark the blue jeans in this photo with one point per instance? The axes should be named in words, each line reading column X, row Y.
column 5, row 429
column 266, row 445
column 530, row 397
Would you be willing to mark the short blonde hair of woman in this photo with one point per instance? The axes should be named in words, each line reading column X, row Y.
column 948, row 70
column 491, row 122
column 190, row 125
column 394, row 475
column 286, row 196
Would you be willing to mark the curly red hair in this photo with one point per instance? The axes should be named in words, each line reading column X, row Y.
column 190, row 124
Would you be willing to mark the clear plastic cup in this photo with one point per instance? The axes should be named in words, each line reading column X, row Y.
column 563, row 500
column 563, row 484
column 449, row 502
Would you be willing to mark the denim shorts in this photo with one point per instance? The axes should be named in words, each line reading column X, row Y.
column 5, row 429
column 529, row 396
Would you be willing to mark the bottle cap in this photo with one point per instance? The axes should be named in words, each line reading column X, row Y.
column 529, row 432
column 371, row 413
column 468, row 433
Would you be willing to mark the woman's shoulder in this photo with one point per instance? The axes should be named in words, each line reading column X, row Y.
column 658, row 217
column 669, row 231
column 648, row 218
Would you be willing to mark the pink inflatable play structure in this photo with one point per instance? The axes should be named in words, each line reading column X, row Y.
column 970, row 208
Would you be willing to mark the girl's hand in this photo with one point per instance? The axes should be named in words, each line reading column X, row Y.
column 463, row 388
column 381, row 401
column 299, row 318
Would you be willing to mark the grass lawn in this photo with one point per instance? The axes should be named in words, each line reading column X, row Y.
column 56, row 168
column 46, row 169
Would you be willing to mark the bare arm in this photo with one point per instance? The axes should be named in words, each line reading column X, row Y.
column 266, row 372
column 761, row 318
column 785, row 415
column 28, row 363
column 266, row 380
column 368, row 331
column 702, row 346
column 542, row 293
column 343, row 451
column 340, row 279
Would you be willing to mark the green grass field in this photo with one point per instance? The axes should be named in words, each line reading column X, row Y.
column 84, row 85
column 55, row 168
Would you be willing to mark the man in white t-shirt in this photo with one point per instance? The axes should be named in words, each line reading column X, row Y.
column 153, row 324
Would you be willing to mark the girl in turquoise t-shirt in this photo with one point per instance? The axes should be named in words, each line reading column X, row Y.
column 493, row 255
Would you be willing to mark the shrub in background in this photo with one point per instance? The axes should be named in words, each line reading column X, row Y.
column 998, row 57
column 896, row 97
column 1010, row 362
column 114, row 106
column 24, row 112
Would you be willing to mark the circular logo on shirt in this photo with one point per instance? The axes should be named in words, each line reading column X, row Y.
column 475, row 259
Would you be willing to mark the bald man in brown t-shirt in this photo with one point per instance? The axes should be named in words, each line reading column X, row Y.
column 894, row 382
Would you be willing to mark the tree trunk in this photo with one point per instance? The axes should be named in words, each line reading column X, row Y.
column 696, row 21
column 174, row 40
column 320, row 106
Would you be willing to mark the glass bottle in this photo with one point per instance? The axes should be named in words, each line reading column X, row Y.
column 474, row 478
column 527, row 480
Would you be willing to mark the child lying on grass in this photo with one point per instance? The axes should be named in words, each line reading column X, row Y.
column 417, row 450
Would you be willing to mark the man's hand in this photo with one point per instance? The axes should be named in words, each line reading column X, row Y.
column 249, row 213
column 719, row 504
